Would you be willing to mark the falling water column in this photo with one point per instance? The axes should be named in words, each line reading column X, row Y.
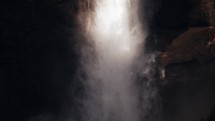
column 116, row 31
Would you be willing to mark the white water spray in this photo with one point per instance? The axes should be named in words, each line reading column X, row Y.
column 117, row 33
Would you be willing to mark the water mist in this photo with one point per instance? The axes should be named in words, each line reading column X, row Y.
column 117, row 34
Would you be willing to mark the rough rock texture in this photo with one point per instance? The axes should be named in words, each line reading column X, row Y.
column 187, row 60
column 195, row 43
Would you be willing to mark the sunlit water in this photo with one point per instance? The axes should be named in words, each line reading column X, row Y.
column 117, row 34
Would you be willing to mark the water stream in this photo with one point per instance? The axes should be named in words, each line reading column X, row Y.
column 116, row 31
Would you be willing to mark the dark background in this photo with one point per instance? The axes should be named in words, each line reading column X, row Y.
column 38, row 58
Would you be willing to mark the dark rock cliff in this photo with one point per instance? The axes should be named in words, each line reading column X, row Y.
column 186, row 38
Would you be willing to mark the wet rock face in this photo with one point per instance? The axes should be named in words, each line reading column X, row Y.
column 188, row 64
column 187, row 61
column 195, row 43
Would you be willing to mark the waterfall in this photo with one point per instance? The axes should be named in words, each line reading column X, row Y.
column 118, row 37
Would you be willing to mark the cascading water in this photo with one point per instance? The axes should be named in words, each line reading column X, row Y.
column 118, row 35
